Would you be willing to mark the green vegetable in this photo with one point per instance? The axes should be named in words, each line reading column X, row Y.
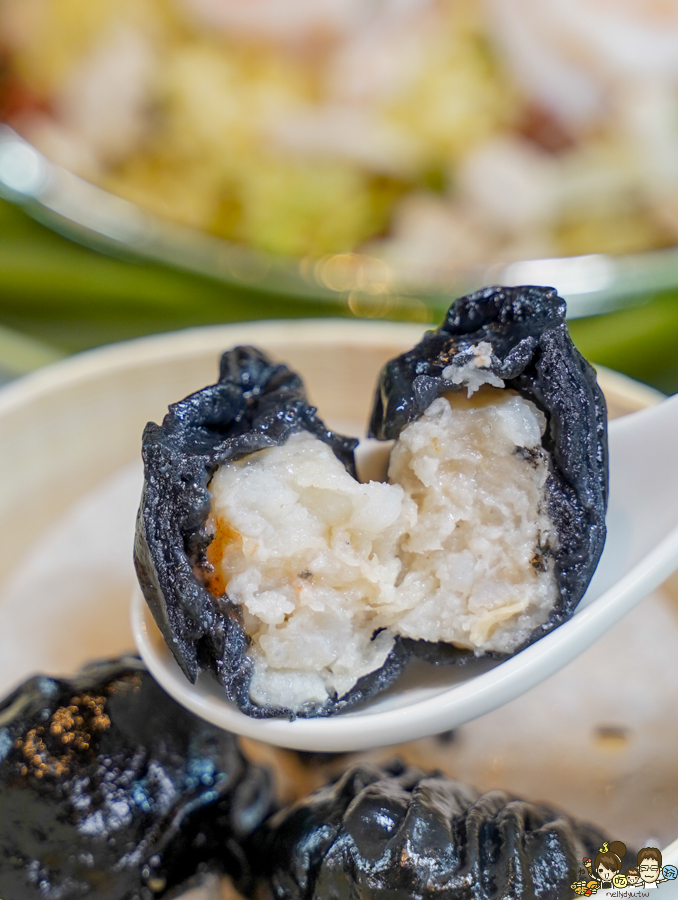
column 67, row 298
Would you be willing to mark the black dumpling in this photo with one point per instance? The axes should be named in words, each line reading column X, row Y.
column 533, row 354
column 255, row 404
column 109, row 789
column 396, row 833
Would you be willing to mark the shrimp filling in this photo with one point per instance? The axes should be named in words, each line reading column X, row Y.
column 327, row 571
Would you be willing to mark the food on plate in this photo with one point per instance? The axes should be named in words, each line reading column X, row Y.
column 109, row 788
column 395, row 832
column 265, row 560
column 436, row 133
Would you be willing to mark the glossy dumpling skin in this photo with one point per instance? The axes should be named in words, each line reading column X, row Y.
column 255, row 404
column 395, row 833
column 531, row 353
column 110, row 790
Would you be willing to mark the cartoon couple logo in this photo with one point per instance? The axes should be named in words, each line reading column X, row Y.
column 605, row 873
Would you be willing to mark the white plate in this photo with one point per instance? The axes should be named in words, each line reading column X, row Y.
column 597, row 738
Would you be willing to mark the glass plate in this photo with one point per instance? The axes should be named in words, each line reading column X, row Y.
column 591, row 284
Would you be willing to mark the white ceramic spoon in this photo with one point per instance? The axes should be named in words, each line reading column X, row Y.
column 641, row 550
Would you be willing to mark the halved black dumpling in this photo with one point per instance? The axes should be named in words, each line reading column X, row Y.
column 532, row 354
column 255, row 404
column 258, row 404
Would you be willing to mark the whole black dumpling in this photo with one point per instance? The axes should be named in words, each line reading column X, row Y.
column 396, row 833
column 533, row 354
column 111, row 790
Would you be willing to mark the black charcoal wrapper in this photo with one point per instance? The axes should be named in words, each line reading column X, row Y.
column 255, row 404
column 533, row 354
column 110, row 789
column 396, row 833
column 258, row 404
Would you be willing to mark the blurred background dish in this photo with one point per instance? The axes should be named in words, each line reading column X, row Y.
column 363, row 157
column 432, row 134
